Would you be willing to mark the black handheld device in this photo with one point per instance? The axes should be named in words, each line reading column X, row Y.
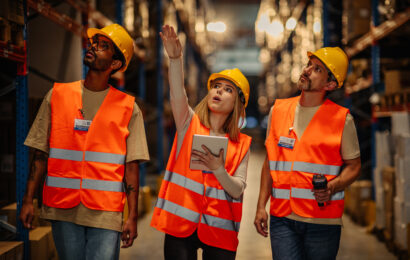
column 319, row 182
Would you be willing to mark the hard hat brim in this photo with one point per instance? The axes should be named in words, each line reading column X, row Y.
column 221, row 76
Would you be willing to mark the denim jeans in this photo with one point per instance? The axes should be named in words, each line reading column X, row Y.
column 295, row 240
column 76, row 242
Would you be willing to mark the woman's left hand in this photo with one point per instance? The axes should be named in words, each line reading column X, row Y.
column 208, row 159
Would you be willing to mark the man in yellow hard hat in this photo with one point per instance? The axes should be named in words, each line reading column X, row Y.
column 89, row 137
column 309, row 139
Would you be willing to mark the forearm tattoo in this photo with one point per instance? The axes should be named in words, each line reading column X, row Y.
column 38, row 157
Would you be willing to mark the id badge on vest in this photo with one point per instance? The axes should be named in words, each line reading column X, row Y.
column 286, row 142
column 81, row 124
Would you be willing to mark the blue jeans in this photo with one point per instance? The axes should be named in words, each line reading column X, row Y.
column 76, row 242
column 295, row 240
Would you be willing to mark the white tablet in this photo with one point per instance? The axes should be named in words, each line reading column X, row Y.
column 214, row 144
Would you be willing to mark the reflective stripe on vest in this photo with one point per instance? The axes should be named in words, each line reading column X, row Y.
column 65, row 154
column 71, row 183
column 104, row 157
column 308, row 194
column 74, row 155
column 220, row 194
column 60, row 182
column 280, row 193
column 226, row 224
column 316, row 168
column 304, row 167
column 178, row 210
column 102, row 185
column 280, row 166
column 182, row 181
column 302, row 194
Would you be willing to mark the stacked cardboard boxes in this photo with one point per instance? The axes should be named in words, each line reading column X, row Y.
column 358, row 202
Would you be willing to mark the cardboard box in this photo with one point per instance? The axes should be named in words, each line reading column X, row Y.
column 4, row 30
column 16, row 11
column 42, row 244
column 355, row 19
column 11, row 250
column 358, row 200
column 9, row 213
column 396, row 80
column 4, row 9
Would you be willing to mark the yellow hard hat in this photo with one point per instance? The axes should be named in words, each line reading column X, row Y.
column 335, row 59
column 120, row 37
column 236, row 77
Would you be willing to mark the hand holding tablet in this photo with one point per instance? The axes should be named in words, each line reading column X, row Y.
column 206, row 152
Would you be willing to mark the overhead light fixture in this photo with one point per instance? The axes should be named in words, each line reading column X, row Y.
column 218, row 27
column 291, row 24
column 275, row 28
column 317, row 27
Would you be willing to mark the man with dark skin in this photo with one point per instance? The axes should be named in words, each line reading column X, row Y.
column 110, row 49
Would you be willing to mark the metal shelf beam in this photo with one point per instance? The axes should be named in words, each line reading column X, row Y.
column 378, row 32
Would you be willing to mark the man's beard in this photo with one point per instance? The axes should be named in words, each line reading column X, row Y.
column 97, row 64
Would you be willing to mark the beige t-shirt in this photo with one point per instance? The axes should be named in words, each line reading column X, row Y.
column 137, row 149
column 349, row 149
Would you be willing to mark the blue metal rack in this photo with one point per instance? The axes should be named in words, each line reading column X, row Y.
column 21, row 132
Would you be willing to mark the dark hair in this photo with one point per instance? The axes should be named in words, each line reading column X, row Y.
column 118, row 56
column 331, row 77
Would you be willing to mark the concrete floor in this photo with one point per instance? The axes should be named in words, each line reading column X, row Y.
column 356, row 243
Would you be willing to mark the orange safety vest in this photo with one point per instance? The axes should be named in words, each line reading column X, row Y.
column 192, row 200
column 87, row 166
column 316, row 152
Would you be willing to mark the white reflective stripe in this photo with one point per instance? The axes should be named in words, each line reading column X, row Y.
column 90, row 184
column 177, row 210
column 302, row 194
column 60, row 182
column 281, row 193
column 308, row 194
column 220, row 194
column 65, row 154
column 226, row 224
column 316, row 168
column 104, row 157
column 338, row 196
column 184, row 182
column 280, row 166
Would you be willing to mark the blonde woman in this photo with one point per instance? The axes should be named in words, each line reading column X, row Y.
column 203, row 209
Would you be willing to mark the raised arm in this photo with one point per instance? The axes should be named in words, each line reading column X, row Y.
column 179, row 100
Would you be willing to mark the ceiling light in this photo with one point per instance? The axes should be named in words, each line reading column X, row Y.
column 218, row 27
column 291, row 23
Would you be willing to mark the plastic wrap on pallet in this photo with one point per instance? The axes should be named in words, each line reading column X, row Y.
column 400, row 123
column 403, row 146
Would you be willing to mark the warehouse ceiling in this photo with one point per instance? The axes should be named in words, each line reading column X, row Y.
column 236, row 47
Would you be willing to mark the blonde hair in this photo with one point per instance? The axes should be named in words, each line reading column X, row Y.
column 231, row 123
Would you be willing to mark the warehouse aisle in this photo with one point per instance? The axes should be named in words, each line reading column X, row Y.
column 355, row 243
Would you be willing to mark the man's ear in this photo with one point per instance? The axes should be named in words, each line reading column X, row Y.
column 332, row 85
column 116, row 64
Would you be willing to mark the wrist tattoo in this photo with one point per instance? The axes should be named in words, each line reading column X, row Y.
column 129, row 188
